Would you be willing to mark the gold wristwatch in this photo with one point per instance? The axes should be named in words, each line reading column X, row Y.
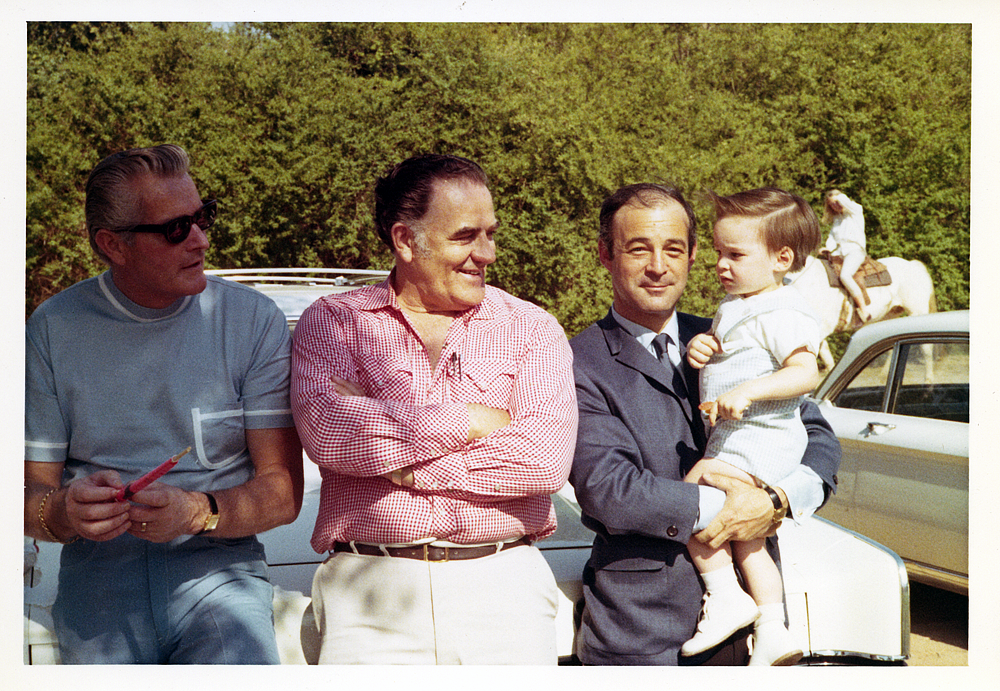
column 213, row 517
column 780, row 510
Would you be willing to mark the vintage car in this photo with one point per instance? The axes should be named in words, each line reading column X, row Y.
column 848, row 597
column 898, row 401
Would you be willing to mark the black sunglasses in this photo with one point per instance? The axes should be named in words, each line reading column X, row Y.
column 177, row 230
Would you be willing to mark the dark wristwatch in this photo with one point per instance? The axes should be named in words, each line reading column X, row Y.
column 213, row 517
column 780, row 510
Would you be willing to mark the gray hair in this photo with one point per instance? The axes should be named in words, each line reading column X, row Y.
column 113, row 201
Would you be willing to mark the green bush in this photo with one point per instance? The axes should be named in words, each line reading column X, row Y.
column 289, row 124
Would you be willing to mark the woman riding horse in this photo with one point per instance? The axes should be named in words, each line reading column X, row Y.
column 847, row 240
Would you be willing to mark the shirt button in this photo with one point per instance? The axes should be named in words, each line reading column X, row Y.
column 672, row 531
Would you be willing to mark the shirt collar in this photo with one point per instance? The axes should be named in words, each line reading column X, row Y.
column 383, row 295
column 133, row 310
column 645, row 336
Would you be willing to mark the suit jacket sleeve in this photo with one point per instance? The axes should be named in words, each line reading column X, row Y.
column 611, row 484
column 823, row 452
column 628, row 467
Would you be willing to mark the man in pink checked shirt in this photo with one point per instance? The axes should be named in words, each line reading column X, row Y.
column 442, row 413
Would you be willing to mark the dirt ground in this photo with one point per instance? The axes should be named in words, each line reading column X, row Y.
column 939, row 627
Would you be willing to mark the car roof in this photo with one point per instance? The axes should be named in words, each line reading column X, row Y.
column 295, row 289
column 938, row 322
column 945, row 324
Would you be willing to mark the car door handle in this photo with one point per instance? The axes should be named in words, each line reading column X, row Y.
column 876, row 428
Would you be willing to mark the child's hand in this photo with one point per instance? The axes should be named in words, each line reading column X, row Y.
column 701, row 348
column 729, row 406
column 732, row 404
column 710, row 408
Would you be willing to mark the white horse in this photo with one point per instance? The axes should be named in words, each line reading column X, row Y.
column 910, row 292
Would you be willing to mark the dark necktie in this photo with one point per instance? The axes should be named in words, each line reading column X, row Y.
column 680, row 388
column 660, row 346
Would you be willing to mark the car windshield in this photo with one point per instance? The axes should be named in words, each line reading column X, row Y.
column 294, row 302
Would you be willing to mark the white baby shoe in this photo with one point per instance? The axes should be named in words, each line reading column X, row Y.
column 722, row 615
column 773, row 646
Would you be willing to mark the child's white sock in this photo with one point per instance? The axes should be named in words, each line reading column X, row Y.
column 721, row 581
column 774, row 611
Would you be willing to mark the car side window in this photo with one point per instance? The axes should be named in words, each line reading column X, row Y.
column 868, row 388
column 934, row 382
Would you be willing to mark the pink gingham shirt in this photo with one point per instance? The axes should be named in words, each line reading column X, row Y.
column 508, row 354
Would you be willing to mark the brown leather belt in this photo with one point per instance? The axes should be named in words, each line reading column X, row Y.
column 428, row 552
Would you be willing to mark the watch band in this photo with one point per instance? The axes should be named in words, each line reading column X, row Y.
column 213, row 517
column 779, row 509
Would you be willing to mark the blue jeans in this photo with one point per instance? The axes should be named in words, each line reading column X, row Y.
column 196, row 601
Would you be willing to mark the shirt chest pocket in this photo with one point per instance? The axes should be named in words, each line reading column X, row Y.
column 219, row 436
column 385, row 378
column 489, row 382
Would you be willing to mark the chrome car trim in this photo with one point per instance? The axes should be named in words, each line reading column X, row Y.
column 314, row 276
column 939, row 578
column 817, row 658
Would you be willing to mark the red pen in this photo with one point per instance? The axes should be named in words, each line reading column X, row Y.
column 153, row 475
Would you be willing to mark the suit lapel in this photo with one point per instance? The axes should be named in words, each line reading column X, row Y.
column 686, row 330
column 626, row 350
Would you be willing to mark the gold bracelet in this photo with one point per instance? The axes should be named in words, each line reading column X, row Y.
column 45, row 526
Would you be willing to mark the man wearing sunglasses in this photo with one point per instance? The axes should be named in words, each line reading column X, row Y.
column 126, row 369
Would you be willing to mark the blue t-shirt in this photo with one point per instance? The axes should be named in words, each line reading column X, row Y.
column 110, row 384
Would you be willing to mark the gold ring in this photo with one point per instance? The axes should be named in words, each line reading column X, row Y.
column 143, row 528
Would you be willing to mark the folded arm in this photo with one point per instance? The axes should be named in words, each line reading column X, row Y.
column 453, row 448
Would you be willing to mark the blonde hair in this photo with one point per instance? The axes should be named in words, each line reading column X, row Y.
column 829, row 213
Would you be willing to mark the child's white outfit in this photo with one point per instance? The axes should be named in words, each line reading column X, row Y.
column 757, row 334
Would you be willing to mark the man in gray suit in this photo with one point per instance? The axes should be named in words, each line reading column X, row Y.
column 640, row 431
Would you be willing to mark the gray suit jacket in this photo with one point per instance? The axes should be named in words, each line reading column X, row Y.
column 637, row 439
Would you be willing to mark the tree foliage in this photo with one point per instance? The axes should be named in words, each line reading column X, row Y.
column 289, row 124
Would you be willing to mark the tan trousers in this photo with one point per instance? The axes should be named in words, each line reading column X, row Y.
column 493, row 610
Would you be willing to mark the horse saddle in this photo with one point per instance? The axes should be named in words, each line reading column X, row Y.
column 871, row 274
